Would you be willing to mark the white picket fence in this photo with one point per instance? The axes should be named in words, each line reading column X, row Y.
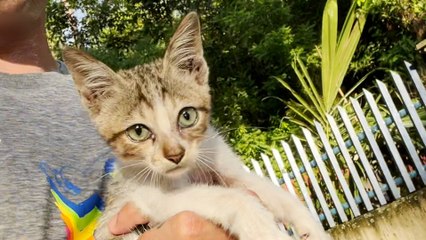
column 340, row 182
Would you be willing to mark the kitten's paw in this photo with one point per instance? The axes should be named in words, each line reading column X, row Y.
column 289, row 209
column 312, row 232
column 278, row 236
column 319, row 236
column 260, row 225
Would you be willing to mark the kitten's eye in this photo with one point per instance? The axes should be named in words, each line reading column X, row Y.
column 188, row 117
column 138, row 133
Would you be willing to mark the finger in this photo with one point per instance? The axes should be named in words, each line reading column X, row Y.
column 187, row 226
column 156, row 234
column 125, row 220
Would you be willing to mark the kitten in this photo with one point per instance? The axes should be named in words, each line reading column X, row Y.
column 156, row 119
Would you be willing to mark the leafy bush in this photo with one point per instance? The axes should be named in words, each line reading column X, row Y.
column 248, row 142
column 246, row 43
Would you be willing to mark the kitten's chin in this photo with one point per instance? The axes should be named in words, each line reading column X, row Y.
column 176, row 172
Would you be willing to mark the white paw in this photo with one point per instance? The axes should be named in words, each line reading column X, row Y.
column 260, row 225
column 313, row 232
column 277, row 236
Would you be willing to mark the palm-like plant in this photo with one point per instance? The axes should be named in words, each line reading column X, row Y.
column 313, row 104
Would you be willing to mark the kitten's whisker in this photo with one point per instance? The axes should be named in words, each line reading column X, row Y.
column 157, row 179
column 205, row 173
column 152, row 179
column 136, row 176
column 144, row 171
column 145, row 175
column 207, row 150
column 106, row 174
column 201, row 168
column 148, row 175
column 214, row 171
column 130, row 165
column 204, row 160
column 99, row 178
column 220, row 132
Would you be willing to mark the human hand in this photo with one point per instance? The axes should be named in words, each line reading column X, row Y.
column 183, row 226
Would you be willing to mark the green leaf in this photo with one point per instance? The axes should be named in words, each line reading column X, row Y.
column 299, row 98
column 329, row 39
column 336, row 56
column 309, row 86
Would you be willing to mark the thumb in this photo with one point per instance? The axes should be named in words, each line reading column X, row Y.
column 126, row 220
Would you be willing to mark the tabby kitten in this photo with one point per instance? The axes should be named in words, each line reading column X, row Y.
column 156, row 119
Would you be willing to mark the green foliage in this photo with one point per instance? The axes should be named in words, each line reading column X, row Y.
column 143, row 51
column 392, row 31
column 336, row 52
column 56, row 23
column 249, row 142
column 249, row 42
column 246, row 44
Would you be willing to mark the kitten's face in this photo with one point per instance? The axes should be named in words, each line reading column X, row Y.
column 155, row 115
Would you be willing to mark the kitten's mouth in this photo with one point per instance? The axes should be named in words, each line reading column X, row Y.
column 178, row 170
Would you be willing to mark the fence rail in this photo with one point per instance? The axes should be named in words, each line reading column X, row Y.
column 340, row 179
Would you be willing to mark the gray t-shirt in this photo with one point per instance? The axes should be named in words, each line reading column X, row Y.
column 51, row 159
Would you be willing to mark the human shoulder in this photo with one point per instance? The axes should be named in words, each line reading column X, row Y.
column 35, row 80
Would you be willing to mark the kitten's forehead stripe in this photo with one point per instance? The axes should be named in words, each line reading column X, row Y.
column 164, row 92
column 114, row 137
column 145, row 82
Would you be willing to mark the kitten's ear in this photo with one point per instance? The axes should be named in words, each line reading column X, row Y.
column 92, row 78
column 185, row 50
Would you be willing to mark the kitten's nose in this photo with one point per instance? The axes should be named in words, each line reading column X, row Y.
column 175, row 158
